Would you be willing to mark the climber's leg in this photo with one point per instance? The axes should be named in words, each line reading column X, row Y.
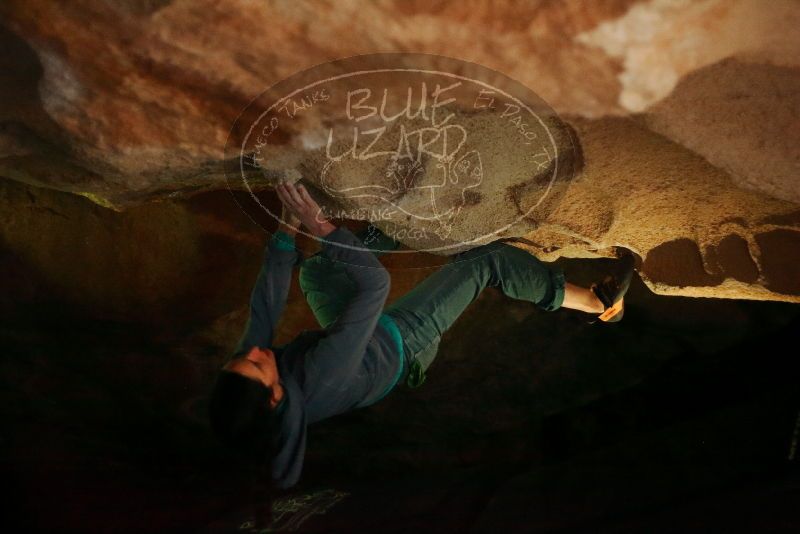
column 428, row 310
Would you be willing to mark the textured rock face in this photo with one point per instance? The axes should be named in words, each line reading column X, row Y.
column 126, row 102
column 146, row 98
column 742, row 117
column 728, row 242
column 660, row 41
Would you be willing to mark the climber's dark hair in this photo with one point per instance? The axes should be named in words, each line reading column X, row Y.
column 240, row 415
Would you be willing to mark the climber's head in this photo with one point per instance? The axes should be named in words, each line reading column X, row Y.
column 244, row 399
column 245, row 409
column 259, row 365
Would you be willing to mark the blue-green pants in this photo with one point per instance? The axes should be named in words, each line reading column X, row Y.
column 427, row 311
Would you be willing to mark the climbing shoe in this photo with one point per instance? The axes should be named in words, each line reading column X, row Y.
column 611, row 291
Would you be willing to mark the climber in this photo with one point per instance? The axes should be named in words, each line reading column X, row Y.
column 266, row 395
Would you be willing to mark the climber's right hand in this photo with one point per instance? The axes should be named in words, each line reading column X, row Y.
column 298, row 201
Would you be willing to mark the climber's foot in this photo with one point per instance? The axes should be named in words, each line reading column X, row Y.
column 611, row 291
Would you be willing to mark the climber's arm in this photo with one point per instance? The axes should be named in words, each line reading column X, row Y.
column 338, row 355
column 341, row 350
column 271, row 290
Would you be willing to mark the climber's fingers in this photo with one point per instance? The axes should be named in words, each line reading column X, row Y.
column 284, row 196
column 307, row 199
column 297, row 199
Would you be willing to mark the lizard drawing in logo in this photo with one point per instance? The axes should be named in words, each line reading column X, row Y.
column 446, row 181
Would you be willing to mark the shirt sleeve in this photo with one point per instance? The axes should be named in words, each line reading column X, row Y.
column 335, row 360
column 269, row 295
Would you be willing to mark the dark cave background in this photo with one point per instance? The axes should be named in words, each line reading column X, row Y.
column 683, row 416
